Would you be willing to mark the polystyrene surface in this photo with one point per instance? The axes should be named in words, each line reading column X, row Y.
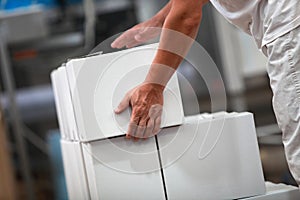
column 213, row 157
column 122, row 169
column 74, row 168
column 100, row 82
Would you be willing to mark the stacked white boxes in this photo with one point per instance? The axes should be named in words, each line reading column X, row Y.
column 207, row 156
column 86, row 92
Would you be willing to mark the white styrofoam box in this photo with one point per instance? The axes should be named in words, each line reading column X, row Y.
column 212, row 157
column 122, row 169
column 67, row 104
column 55, row 87
column 99, row 83
column 75, row 171
column 278, row 192
column 64, row 105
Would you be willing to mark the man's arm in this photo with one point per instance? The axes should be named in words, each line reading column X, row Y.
column 146, row 100
column 184, row 18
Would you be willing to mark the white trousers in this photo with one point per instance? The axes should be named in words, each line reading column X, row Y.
column 284, row 73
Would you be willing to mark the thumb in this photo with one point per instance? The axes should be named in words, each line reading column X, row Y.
column 123, row 105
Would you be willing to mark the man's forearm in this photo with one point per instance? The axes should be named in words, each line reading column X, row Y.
column 179, row 30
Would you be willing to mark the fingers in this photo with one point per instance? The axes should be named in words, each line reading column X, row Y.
column 120, row 41
column 145, row 127
column 146, row 34
column 133, row 125
column 141, row 36
column 146, row 102
column 149, row 129
column 134, row 37
column 153, row 128
column 140, row 132
column 137, row 126
column 153, row 125
column 124, row 39
column 155, row 113
column 123, row 104
column 131, row 130
column 132, row 43
column 142, row 127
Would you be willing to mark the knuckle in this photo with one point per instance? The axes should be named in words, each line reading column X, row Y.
column 143, row 121
column 140, row 110
column 135, row 120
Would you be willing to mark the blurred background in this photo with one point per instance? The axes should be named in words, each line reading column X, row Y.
column 37, row 36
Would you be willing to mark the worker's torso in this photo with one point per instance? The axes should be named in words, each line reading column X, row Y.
column 266, row 20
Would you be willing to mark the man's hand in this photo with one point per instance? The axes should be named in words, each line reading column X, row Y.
column 146, row 101
column 144, row 31
column 139, row 34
